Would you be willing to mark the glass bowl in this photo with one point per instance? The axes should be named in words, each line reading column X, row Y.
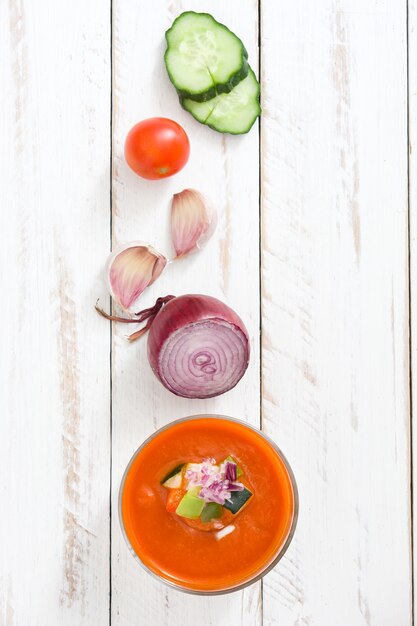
column 269, row 564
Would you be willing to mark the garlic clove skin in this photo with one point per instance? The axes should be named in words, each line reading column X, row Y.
column 130, row 268
column 193, row 221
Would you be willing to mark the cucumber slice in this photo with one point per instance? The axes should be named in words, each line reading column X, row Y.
column 174, row 471
column 203, row 57
column 212, row 510
column 238, row 500
column 174, row 482
column 234, row 112
column 190, row 506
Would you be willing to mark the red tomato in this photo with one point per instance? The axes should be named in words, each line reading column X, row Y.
column 157, row 148
column 174, row 498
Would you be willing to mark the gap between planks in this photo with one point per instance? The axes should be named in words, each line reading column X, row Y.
column 111, row 323
column 411, row 114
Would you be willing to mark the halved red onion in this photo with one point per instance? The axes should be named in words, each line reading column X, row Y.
column 198, row 347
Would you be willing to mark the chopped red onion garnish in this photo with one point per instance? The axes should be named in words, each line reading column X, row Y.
column 230, row 471
column 209, row 460
column 235, row 487
column 225, row 531
column 216, row 483
column 193, row 477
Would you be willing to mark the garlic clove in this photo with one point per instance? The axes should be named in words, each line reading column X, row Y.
column 130, row 268
column 193, row 221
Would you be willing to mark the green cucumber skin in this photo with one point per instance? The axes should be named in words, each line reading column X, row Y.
column 233, row 80
column 239, row 499
column 228, row 132
column 223, row 132
column 174, row 482
column 213, row 126
column 172, row 473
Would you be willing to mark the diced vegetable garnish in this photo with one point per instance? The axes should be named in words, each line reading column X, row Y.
column 174, row 482
column 239, row 470
column 173, row 499
column 224, row 531
column 191, row 505
column 237, row 500
column 214, row 485
column 174, row 471
column 230, row 471
column 204, row 491
column 211, row 510
column 193, row 467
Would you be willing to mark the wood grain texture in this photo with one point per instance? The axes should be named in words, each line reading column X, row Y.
column 335, row 305
column 226, row 169
column 336, row 235
column 412, row 164
column 54, row 361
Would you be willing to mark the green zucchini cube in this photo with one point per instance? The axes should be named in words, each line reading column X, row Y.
column 238, row 500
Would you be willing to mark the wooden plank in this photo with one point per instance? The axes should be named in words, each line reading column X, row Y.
column 412, row 149
column 54, row 361
column 226, row 168
column 335, row 305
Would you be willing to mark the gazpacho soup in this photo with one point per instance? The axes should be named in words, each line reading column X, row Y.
column 208, row 504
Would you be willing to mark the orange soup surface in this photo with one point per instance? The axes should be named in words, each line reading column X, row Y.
column 189, row 557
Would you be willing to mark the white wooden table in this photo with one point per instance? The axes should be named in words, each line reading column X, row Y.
column 316, row 238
